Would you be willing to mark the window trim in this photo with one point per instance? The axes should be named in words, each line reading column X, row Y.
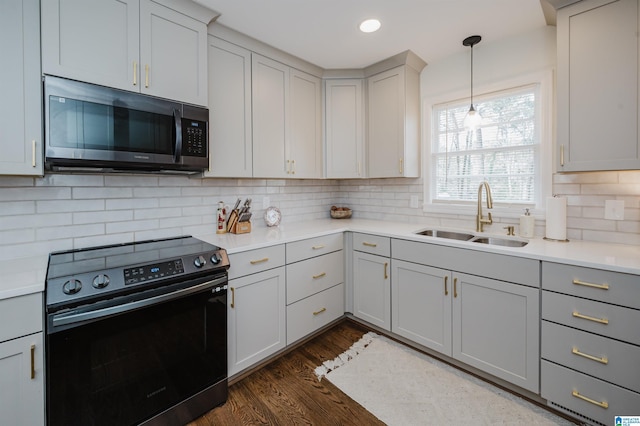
column 545, row 81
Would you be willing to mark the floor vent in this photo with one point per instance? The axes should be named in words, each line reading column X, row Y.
column 575, row 414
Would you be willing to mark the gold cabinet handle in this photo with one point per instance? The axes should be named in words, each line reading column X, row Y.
column 369, row 244
column 293, row 167
column 135, row 73
column 562, row 155
column 455, row 288
column 33, row 153
column 315, row 277
column 320, row 311
column 601, row 360
column 446, row 291
column 288, row 168
column 401, row 166
column 233, row 297
column 594, row 319
column 318, row 247
column 146, row 76
column 33, row 362
column 254, row 262
column 602, row 404
column 604, row 286
column 386, row 265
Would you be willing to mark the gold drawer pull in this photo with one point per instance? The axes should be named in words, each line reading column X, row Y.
column 369, row 244
column 386, row 265
column 455, row 288
column 315, row 277
column 602, row 404
column 33, row 362
column 602, row 360
column 264, row 259
column 233, row 297
column 318, row 247
column 446, row 291
column 604, row 286
column 598, row 320
column 320, row 311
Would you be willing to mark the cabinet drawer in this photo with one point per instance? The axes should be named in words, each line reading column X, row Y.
column 252, row 261
column 498, row 266
column 604, row 358
column 565, row 389
column 372, row 244
column 310, row 314
column 604, row 286
column 20, row 316
column 596, row 317
column 305, row 249
column 314, row 275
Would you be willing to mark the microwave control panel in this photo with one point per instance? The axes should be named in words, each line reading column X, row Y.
column 194, row 138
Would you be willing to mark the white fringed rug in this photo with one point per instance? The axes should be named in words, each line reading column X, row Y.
column 404, row 387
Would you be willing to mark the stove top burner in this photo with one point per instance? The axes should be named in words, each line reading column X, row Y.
column 97, row 273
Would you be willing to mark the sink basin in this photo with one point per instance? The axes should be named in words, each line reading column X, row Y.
column 499, row 241
column 461, row 236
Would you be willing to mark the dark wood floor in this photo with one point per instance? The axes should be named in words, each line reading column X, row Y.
column 287, row 390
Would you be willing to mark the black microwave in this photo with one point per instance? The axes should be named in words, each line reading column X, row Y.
column 96, row 128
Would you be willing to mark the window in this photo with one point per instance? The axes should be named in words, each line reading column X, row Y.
column 506, row 150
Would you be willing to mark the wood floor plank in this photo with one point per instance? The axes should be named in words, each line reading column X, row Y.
column 287, row 391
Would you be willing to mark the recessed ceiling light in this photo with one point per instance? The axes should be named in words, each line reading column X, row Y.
column 370, row 25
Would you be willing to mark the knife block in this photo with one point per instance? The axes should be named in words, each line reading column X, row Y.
column 241, row 228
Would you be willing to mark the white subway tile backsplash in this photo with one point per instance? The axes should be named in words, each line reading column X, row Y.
column 71, row 231
column 93, row 193
column 140, row 214
column 132, row 226
column 102, row 216
column 131, row 203
column 11, row 208
column 59, row 206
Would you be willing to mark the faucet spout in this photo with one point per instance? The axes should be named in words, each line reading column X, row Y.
column 480, row 220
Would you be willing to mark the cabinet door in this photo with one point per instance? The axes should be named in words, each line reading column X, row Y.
column 386, row 123
column 372, row 289
column 173, row 54
column 496, row 328
column 305, row 125
column 344, row 128
column 269, row 95
column 421, row 304
column 229, row 110
column 257, row 327
column 92, row 40
column 598, row 86
column 20, row 85
column 22, row 384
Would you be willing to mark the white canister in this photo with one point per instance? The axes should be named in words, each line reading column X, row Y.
column 527, row 224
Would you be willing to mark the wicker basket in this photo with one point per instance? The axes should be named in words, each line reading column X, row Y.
column 341, row 214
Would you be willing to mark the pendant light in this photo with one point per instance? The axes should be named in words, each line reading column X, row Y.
column 473, row 119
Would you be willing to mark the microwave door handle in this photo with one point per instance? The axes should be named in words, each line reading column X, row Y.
column 177, row 121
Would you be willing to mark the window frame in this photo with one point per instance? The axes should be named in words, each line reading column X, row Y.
column 544, row 80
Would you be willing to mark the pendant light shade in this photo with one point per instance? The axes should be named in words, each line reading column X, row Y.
column 473, row 119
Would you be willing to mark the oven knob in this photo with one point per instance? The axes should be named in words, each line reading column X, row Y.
column 71, row 287
column 101, row 281
column 215, row 258
column 199, row 262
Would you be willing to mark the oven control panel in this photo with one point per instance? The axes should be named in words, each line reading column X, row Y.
column 140, row 274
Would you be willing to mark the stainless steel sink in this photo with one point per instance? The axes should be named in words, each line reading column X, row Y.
column 461, row 236
column 499, row 241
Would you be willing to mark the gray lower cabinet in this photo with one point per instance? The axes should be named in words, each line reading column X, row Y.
column 485, row 322
column 590, row 342
column 372, row 279
column 21, row 361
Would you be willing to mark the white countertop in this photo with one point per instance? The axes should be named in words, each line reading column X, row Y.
column 27, row 275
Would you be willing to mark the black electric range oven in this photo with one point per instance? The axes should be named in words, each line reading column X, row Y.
column 136, row 333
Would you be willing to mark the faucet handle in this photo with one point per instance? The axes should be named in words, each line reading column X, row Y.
column 510, row 230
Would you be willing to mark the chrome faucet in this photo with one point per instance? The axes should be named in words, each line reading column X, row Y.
column 480, row 221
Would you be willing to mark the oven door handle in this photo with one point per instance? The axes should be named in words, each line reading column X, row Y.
column 79, row 317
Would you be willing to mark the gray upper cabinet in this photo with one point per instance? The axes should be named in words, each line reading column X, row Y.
column 21, row 109
column 229, row 110
column 137, row 45
column 598, row 86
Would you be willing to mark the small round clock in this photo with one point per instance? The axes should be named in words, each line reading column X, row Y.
column 272, row 216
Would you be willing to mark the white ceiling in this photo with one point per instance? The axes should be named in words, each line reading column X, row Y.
column 325, row 32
